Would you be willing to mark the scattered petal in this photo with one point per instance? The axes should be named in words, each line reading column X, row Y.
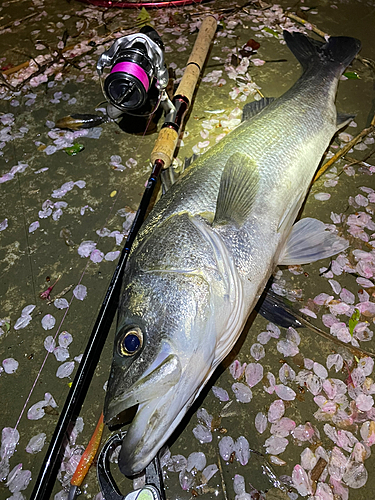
column 284, row 392
column 196, row 460
column 36, row 443
column 80, row 292
column 49, row 343
column 242, row 392
column 242, row 449
column 10, row 365
column 96, row 256
column 226, row 447
column 61, row 303
column 355, row 475
column 253, row 374
column 275, row 445
column 364, row 403
column 111, row 256
column 276, row 411
column 301, row 481
column 261, row 422
column 209, row 472
column 322, row 196
column 65, row 339
column 65, row 370
column 257, row 351
column 203, row 434
column 48, row 322
column 220, row 393
column 34, row 226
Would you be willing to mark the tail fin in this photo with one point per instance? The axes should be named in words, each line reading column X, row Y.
column 337, row 53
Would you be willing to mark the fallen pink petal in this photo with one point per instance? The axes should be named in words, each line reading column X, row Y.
column 48, row 322
column 80, row 292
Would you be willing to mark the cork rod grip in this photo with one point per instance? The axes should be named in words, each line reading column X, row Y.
column 164, row 146
column 167, row 138
column 197, row 57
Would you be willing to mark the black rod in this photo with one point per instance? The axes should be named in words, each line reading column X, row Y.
column 77, row 393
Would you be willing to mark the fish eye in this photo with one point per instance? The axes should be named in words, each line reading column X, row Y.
column 131, row 342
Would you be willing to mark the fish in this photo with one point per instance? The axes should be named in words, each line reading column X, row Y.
column 205, row 252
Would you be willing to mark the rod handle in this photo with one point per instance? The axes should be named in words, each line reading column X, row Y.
column 197, row 57
column 164, row 146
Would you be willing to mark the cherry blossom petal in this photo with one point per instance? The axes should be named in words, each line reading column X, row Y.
column 36, row 443
column 48, row 322
column 203, row 434
column 257, row 351
column 364, row 403
column 275, row 445
column 111, row 256
column 196, row 460
column 261, row 422
column 80, row 292
column 236, row 369
column 287, row 348
column 355, row 475
column 61, row 303
column 65, row 370
column 10, row 365
column 253, row 374
column 208, row 472
column 242, row 450
column 286, row 374
column 220, row 393
column 242, row 392
column 65, row 339
column 283, row 427
column 226, row 447
column 276, row 411
column 320, row 371
column 284, row 392
column 301, row 481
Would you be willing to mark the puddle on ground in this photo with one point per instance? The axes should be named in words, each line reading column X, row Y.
column 58, row 210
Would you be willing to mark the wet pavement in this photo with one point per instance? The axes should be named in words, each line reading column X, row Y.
column 52, row 204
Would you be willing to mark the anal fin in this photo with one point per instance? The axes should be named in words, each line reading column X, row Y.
column 273, row 308
column 342, row 120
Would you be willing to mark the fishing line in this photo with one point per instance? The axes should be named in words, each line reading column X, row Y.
column 110, row 214
column 24, row 226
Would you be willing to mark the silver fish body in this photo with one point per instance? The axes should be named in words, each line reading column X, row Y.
column 206, row 251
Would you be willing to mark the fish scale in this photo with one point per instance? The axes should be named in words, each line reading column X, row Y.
column 204, row 254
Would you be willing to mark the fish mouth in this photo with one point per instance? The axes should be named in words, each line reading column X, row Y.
column 152, row 394
column 145, row 436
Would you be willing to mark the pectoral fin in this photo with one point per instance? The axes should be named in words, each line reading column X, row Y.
column 238, row 188
column 310, row 241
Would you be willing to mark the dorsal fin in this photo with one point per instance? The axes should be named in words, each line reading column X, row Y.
column 253, row 108
column 238, row 188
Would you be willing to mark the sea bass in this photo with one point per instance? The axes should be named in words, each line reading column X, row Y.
column 203, row 257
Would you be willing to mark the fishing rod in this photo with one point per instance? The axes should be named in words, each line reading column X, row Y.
column 161, row 158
